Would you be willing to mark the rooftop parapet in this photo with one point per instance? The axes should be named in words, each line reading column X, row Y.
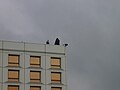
column 34, row 47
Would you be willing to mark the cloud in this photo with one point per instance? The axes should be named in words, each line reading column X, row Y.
column 15, row 18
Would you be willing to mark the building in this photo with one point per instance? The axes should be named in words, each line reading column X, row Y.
column 31, row 66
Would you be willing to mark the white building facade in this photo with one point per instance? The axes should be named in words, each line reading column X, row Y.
column 31, row 66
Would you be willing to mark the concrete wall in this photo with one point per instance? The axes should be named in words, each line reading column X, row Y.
column 25, row 50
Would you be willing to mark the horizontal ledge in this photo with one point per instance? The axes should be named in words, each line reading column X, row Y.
column 33, row 51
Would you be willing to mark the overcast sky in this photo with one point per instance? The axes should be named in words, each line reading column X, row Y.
column 90, row 27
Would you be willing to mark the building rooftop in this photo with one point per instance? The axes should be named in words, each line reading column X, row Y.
column 34, row 47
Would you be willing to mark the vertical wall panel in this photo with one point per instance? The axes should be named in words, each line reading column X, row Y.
column 5, row 75
column 0, row 44
column 48, row 63
column 5, row 59
column 0, row 86
column 0, row 58
column 43, row 61
column 0, row 75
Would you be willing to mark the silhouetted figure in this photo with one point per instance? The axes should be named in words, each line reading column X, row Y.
column 57, row 41
column 47, row 42
column 66, row 45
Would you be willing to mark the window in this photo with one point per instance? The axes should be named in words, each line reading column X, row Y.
column 35, row 61
column 55, row 62
column 56, row 88
column 13, row 60
column 13, row 87
column 35, row 76
column 35, row 88
column 56, row 77
column 13, row 75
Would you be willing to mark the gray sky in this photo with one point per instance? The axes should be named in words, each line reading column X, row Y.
column 91, row 27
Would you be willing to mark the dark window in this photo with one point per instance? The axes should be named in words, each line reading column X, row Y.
column 55, row 62
column 35, row 61
column 56, row 77
column 35, row 88
column 56, row 88
column 35, row 76
column 13, row 60
column 13, row 87
column 13, row 75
